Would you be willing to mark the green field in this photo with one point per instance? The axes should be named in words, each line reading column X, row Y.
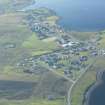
column 84, row 36
column 102, row 41
column 38, row 47
column 15, row 32
column 32, row 102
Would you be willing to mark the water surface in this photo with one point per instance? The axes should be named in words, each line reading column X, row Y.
column 97, row 96
column 16, row 89
column 79, row 15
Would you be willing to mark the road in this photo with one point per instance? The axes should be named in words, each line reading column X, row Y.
column 74, row 82
column 55, row 72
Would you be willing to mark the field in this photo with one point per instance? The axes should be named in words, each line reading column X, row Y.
column 84, row 35
column 19, row 88
column 102, row 41
column 14, row 32
column 18, row 42
column 37, row 46
column 32, row 102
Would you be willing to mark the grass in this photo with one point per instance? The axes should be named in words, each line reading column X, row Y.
column 84, row 35
column 34, row 42
column 41, row 52
column 52, row 20
column 37, row 46
column 32, row 102
column 19, row 77
column 50, row 39
column 102, row 41
column 12, row 31
column 84, row 53
column 46, row 102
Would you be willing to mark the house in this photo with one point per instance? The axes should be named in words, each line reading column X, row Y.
column 83, row 58
column 58, row 66
column 50, row 97
column 67, row 72
column 68, row 44
column 76, row 62
column 9, row 45
column 94, row 53
column 83, row 49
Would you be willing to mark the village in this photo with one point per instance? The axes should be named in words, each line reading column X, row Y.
column 44, row 24
column 66, row 62
column 70, row 59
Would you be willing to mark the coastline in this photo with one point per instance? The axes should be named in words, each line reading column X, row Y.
column 91, row 88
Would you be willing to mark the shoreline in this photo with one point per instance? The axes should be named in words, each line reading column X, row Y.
column 66, row 28
column 91, row 88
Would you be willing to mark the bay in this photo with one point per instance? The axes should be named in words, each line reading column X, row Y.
column 77, row 15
